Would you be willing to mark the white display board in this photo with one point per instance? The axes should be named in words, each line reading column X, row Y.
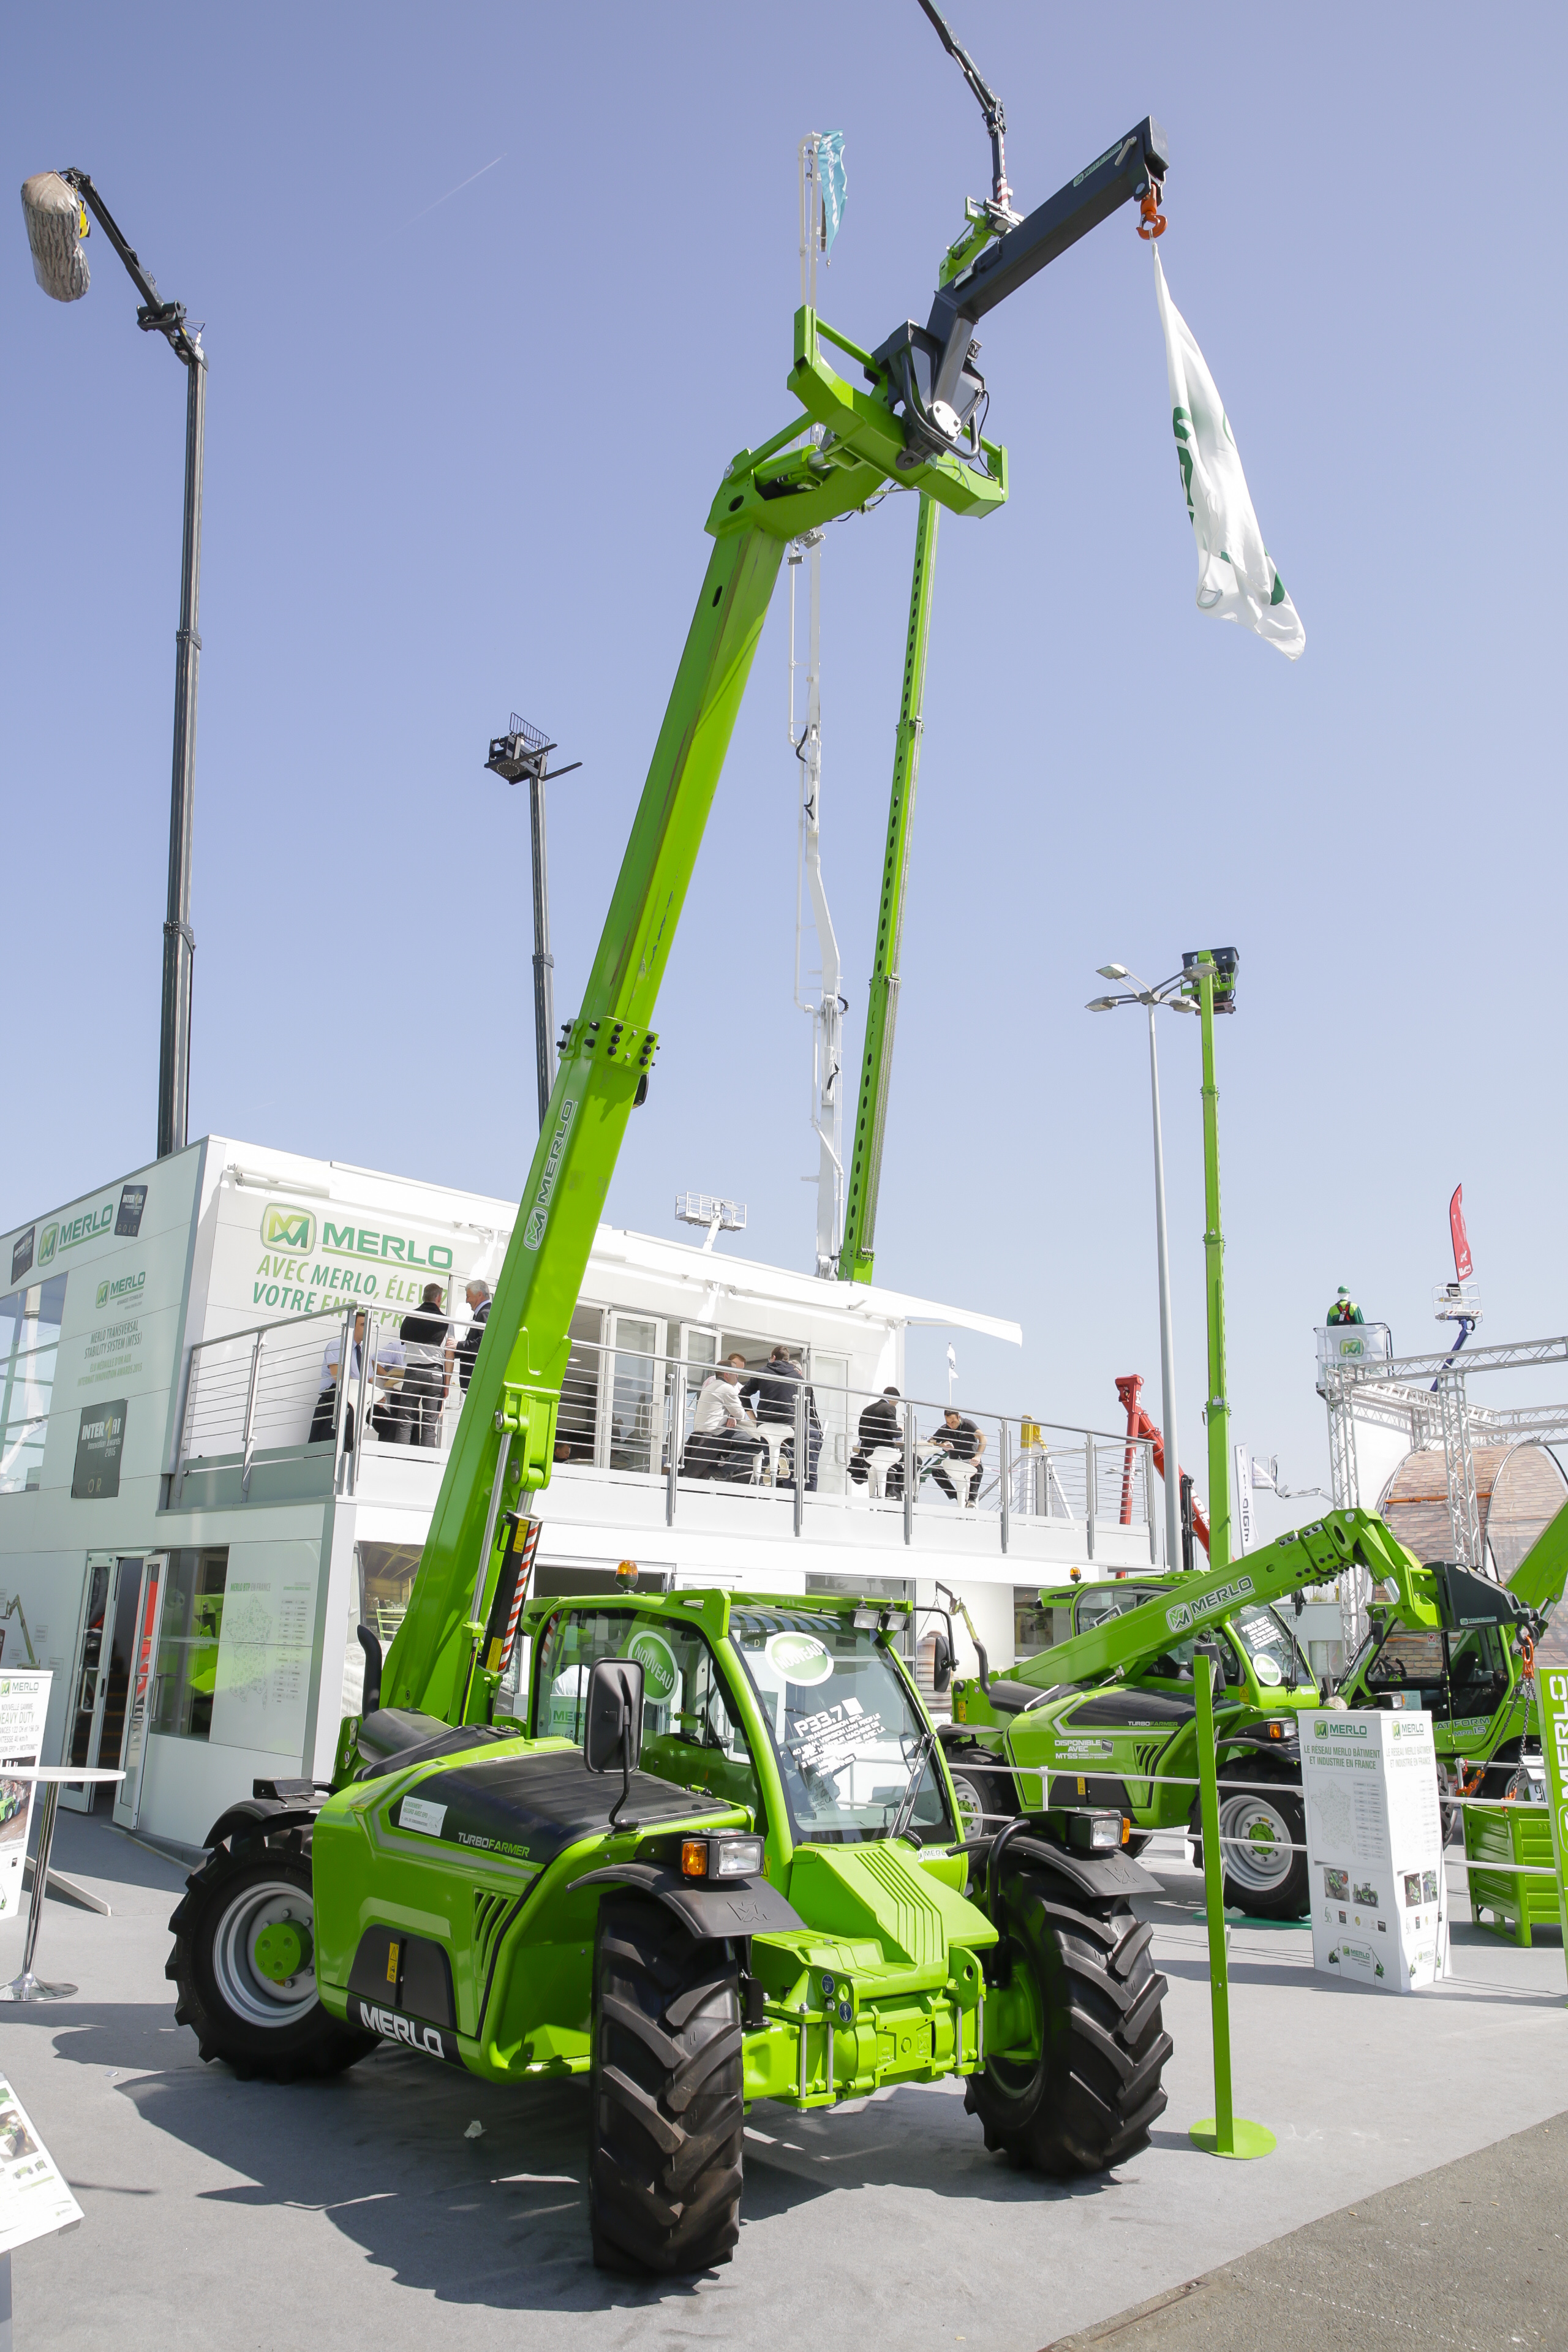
column 1375, row 1848
column 33, row 2199
column 24, row 1706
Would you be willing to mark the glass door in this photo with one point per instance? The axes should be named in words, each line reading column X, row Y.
column 700, row 1353
column 85, row 1720
column 142, row 1685
column 636, row 1399
column 100, row 1683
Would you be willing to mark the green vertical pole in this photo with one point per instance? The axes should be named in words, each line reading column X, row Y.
column 1218, row 1409
column 865, row 1171
column 1224, row 2133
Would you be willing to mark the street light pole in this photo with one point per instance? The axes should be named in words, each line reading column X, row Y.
column 56, row 224
column 524, row 752
column 1211, row 977
column 1167, row 1344
column 179, row 941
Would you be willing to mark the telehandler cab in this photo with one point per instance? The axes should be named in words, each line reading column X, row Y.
column 774, row 1905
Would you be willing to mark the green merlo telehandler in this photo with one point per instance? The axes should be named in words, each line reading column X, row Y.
column 775, row 1899
column 1107, row 1717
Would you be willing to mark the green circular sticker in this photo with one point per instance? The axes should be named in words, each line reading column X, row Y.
column 1268, row 1670
column 660, row 1674
column 800, row 1658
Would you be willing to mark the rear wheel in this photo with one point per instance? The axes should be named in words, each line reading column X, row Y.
column 244, row 1966
column 664, row 2173
column 1088, row 2098
column 986, row 1797
column 1263, row 1837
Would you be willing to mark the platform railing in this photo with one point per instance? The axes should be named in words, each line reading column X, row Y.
column 677, row 1423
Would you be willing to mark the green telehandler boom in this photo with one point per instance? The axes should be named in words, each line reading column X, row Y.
column 1107, row 1717
column 771, row 1896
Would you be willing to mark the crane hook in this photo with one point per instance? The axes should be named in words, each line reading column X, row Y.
column 1150, row 214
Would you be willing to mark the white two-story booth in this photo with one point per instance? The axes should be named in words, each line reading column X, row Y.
column 196, row 1513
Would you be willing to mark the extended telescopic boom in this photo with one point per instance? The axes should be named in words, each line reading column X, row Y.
column 441, row 1660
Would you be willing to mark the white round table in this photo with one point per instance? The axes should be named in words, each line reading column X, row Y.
column 52, row 1778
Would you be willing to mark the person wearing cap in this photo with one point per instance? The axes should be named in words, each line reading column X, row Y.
column 478, row 1295
column 1345, row 1308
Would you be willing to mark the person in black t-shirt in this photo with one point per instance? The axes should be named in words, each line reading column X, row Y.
column 427, row 1336
column 962, row 1444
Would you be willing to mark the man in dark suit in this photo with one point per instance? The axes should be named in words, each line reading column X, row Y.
column 478, row 1295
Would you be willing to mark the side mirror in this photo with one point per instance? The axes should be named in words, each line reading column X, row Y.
column 941, row 1663
column 612, row 1730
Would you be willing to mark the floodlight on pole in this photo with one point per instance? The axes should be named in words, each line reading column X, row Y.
column 524, row 752
column 707, row 1209
column 55, row 206
column 1155, row 999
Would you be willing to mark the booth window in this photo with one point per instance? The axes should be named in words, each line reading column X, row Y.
column 29, row 1342
column 188, row 1642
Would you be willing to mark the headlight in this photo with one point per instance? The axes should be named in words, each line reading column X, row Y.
column 1105, row 1830
column 721, row 1857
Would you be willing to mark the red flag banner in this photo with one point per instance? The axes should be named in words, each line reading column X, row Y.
column 1463, row 1267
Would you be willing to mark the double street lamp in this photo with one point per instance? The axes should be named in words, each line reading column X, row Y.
column 56, row 207
column 1204, row 985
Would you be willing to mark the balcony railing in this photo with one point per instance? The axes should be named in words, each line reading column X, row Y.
column 670, row 1423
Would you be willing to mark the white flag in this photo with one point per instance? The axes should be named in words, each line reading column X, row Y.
column 1236, row 575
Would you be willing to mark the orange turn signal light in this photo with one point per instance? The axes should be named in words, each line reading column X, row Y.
column 694, row 1857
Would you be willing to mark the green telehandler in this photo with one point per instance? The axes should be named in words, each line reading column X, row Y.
column 1099, row 1718
column 777, row 1901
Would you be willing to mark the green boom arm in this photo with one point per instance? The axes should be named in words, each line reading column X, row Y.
column 1313, row 1555
column 904, row 430
column 855, row 1255
column 506, row 1435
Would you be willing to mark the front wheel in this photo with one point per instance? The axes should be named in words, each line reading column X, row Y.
column 1263, row 1839
column 1087, row 2097
column 664, row 2180
column 244, row 1966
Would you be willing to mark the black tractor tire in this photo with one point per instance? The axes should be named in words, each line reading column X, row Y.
column 235, row 2011
column 664, row 2182
column 1262, row 1877
column 1088, row 2100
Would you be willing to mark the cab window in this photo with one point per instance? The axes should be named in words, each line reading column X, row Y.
column 1174, row 1664
column 689, row 1735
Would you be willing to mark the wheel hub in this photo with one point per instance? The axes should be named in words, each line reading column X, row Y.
column 282, row 1950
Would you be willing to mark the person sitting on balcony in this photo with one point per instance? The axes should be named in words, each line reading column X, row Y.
column 773, row 1393
column 723, row 1443
column 879, row 1447
column 1345, row 1308
column 960, row 1445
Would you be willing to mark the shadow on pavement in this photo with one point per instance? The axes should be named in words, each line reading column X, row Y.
column 503, row 2220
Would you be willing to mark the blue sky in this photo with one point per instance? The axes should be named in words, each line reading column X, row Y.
column 459, row 449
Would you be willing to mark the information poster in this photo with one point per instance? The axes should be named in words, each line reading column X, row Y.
column 24, row 1706
column 1375, row 1848
column 262, row 1689
column 33, row 2199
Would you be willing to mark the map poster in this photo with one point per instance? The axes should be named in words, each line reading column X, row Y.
column 1552, row 1703
column 1375, row 1848
column 33, row 2199
column 24, row 1704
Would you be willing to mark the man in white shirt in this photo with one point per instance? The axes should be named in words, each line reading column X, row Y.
column 385, row 1418
column 723, row 1443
